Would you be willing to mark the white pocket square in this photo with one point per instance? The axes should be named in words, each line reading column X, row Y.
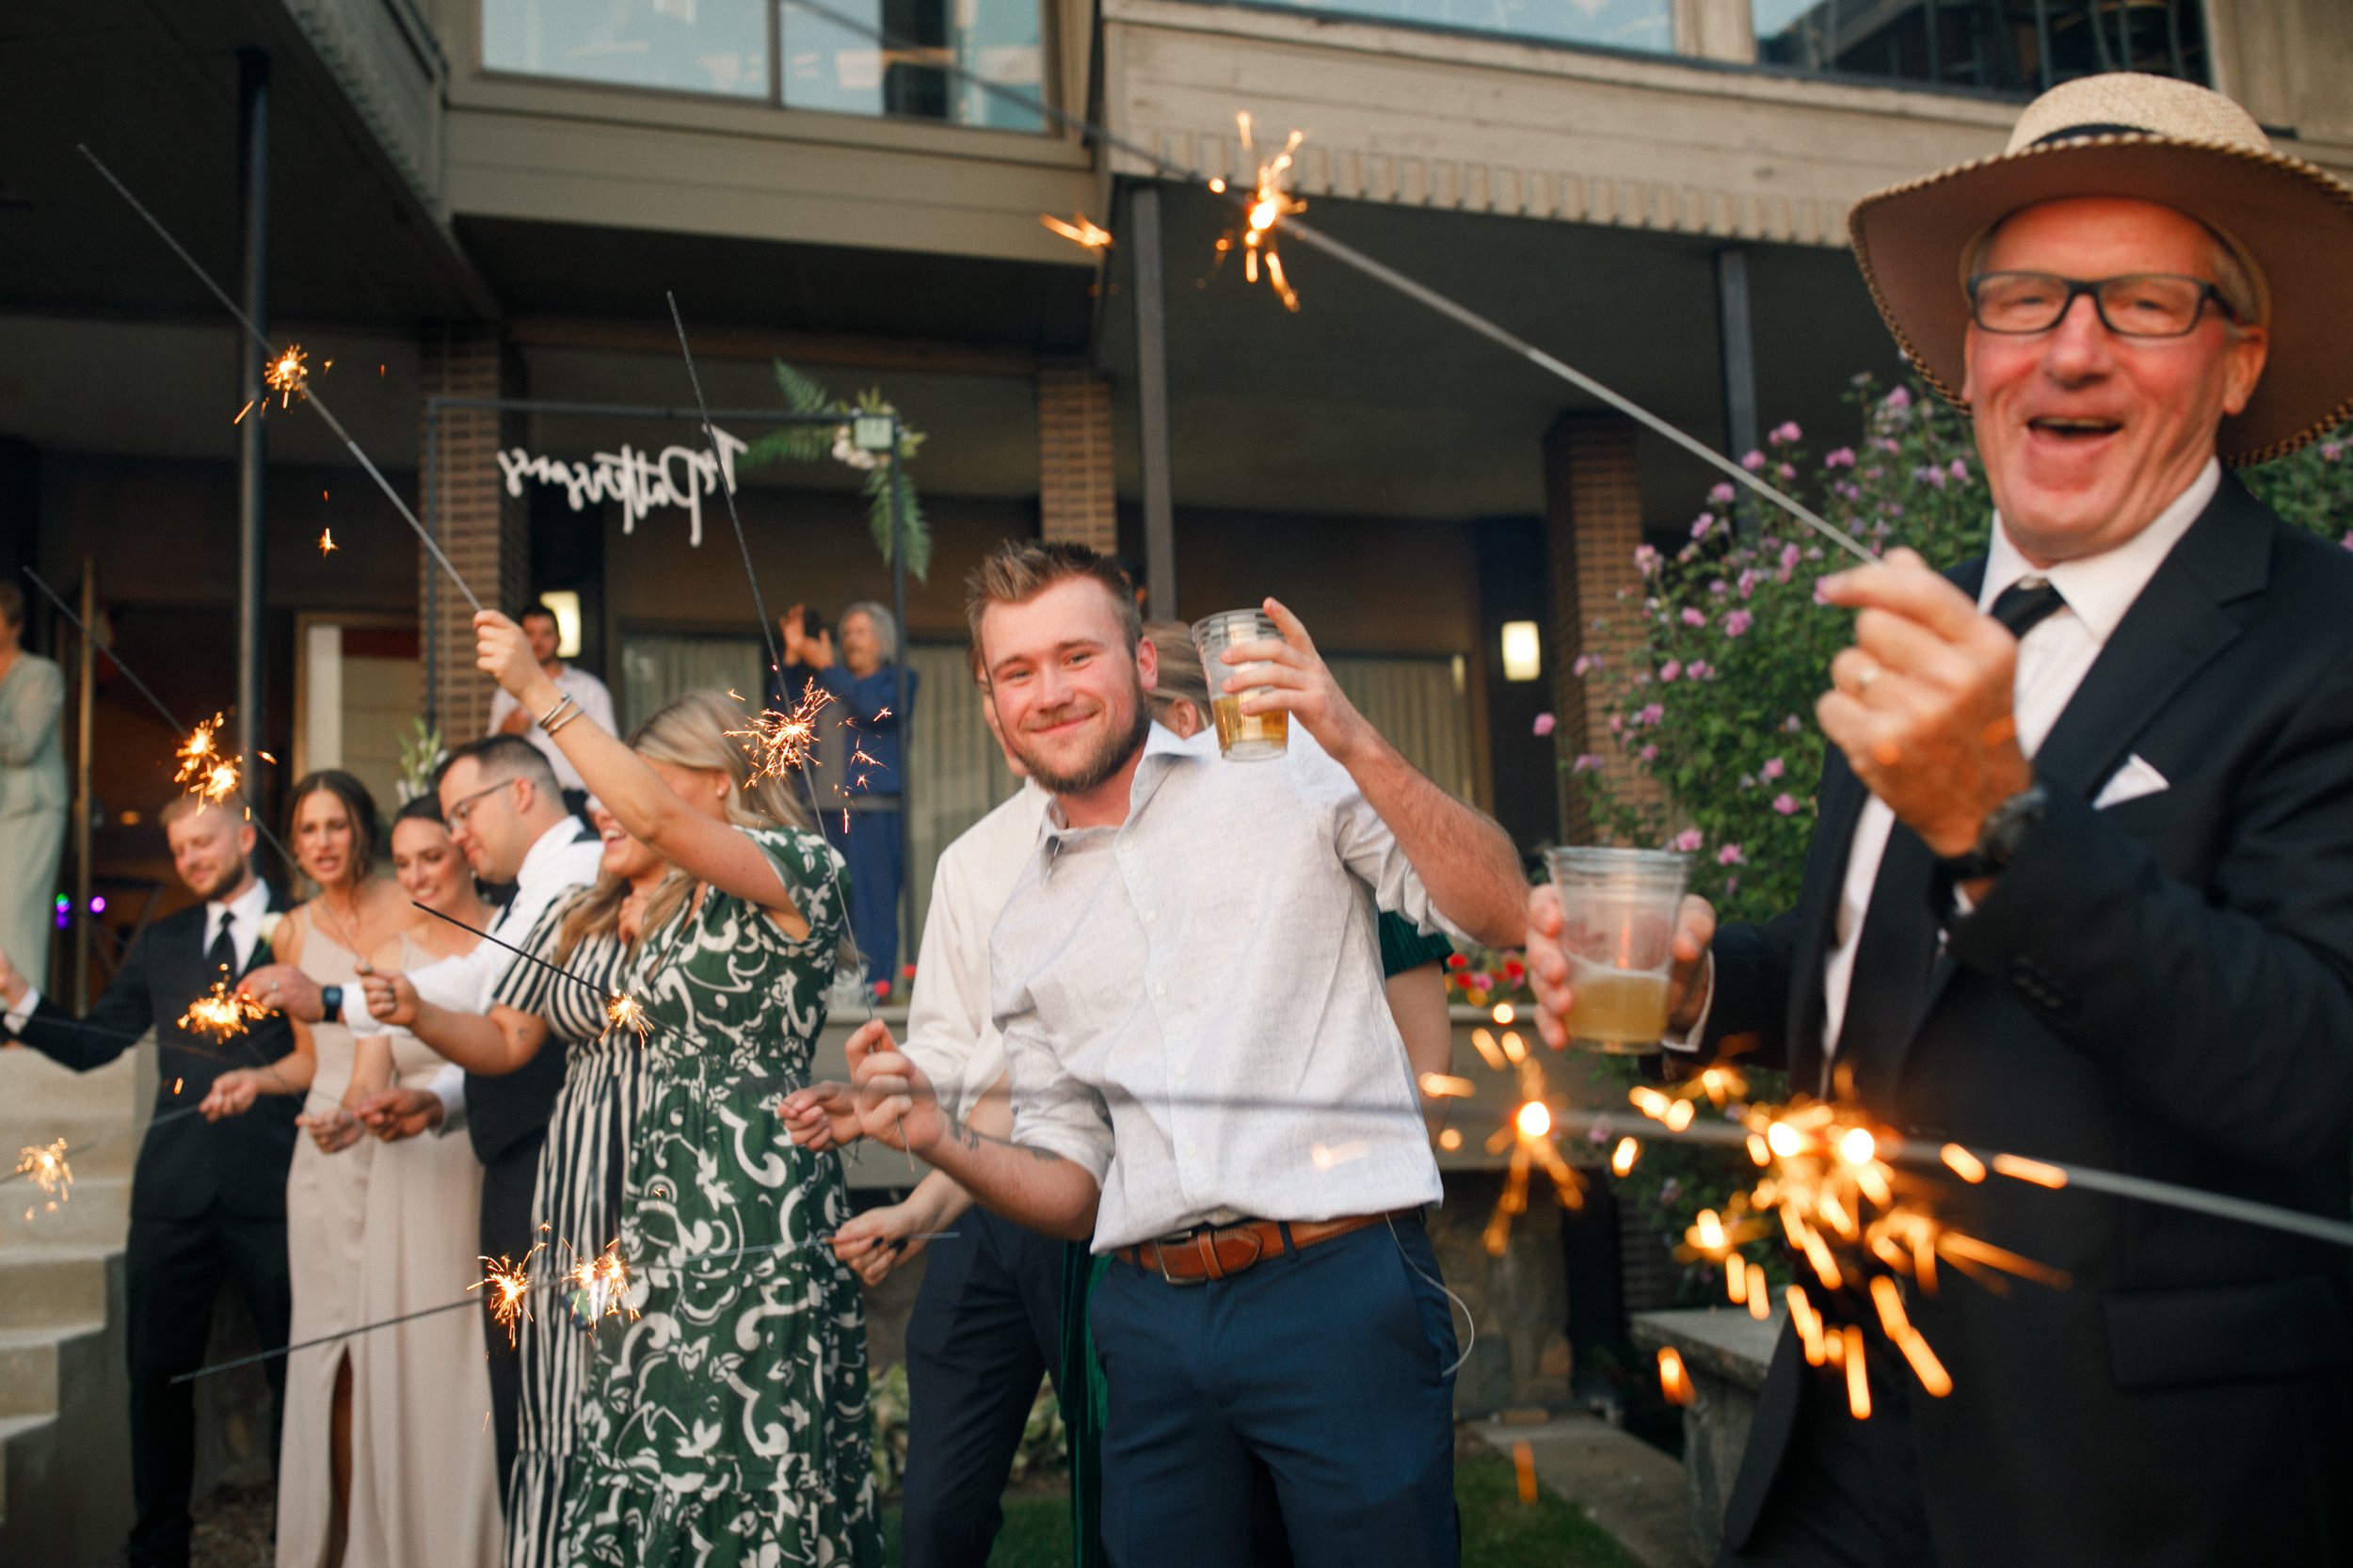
column 2133, row 780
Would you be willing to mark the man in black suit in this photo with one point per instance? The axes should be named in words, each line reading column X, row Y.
column 208, row 1200
column 2082, row 884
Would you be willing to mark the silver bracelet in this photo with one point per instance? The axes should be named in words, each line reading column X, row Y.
column 563, row 701
column 559, row 724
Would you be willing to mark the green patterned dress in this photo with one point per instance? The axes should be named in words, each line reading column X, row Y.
column 727, row 1423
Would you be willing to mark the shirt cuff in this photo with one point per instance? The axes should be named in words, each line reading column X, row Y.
column 448, row 1085
column 1689, row 1040
column 21, row 1014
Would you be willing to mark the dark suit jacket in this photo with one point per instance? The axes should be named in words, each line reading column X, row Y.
column 503, row 1113
column 188, row 1164
column 2163, row 988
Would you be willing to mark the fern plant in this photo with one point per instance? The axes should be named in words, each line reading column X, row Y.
column 809, row 443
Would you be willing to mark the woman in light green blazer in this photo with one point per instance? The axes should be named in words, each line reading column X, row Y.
column 32, row 792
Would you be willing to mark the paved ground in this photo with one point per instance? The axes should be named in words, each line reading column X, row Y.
column 1632, row 1490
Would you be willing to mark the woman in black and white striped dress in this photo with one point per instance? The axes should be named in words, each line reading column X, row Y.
column 592, row 937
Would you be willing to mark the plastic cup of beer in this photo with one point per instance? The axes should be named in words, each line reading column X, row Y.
column 1240, row 737
column 1618, row 910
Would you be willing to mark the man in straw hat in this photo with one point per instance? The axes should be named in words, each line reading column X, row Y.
column 2082, row 884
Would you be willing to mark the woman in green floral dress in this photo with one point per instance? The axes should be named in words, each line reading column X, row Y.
column 727, row 1422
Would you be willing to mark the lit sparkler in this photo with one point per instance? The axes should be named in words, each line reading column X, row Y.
column 601, row 1285
column 1081, row 230
column 289, row 373
column 623, row 1011
column 45, row 1166
column 327, row 542
column 509, row 1287
column 1270, row 204
column 780, row 742
column 221, row 1013
column 204, row 768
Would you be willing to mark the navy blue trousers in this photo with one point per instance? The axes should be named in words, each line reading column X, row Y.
column 1329, row 1365
column 876, row 857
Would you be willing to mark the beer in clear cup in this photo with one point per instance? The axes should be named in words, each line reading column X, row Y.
column 1618, row 909
column 1240, row 737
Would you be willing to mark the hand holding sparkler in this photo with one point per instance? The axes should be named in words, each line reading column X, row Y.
column 896, row 1104
column 877, row 1240
column 392, row 998
column 283, row 988
column 822, row 1116
column 396, row 1114
column 1921, row 704
column 333, row 1130
column 1548, row 964
column 502, row 652
column 232, row 1093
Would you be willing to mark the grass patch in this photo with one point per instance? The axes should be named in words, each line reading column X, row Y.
column 1499, row 1530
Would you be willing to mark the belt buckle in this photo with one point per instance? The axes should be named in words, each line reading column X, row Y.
column 1160, row 1259
column 1206, row 1239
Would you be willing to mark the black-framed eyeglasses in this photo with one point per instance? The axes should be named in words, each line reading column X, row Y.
column 2136, row 305
column 455, row 816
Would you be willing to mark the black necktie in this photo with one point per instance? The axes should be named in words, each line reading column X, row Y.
column 222, row 955
column 1897, row 951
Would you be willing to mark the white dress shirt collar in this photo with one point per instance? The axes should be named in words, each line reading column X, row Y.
column 242, row 915
column 2100, row 588
column 1162, row 748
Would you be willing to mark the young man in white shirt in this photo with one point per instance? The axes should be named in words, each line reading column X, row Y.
column 588, row 692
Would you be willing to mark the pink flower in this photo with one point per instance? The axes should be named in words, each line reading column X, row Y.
column 1790, row 556
column 1785, row 804
column 1747, row 584
column 1722, row 491
column 1586, row 663
column 1617, row 724
column 1754, row 462
column 2347, row 541
column 1791, row 724
column 1687, row 841
column 1701, row 524
column 1960, row 469
column 1694, row 616
column 2330, row 450
column 1648, row 754
column 1786, row 431
column 1669, row 670
column 1773, row 768
column 1842, row 457
column 1651, row 714
column 1730, row 855
column 1788, row 470
column 1718, row 587
column 1543, row 724
column 1736, row 622
column 1699, row 670
column 1899, row 399
column 1586, row 764
column 1645, row 559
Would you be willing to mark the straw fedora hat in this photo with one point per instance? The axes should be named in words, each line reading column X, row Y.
column 2158, row 139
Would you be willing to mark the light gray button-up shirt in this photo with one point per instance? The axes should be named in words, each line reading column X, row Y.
column 1191, row 1001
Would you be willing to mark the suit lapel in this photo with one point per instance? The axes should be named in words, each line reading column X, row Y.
column 2175, row 626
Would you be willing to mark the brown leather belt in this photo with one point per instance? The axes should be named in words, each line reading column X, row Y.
column 1220, row 1252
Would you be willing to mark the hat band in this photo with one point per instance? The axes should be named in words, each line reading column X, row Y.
column 2072, row 133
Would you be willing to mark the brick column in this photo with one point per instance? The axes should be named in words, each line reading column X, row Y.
column 1074, row 458
column 1592, row 521
column 484, row 531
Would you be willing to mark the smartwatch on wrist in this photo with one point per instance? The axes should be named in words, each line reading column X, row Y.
column 330, row 1004
column 2006, row 827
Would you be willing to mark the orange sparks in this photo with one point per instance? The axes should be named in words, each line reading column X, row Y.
column 2019, row 1168
column 601, row 1285
column 46, row 1167
column 1443, row 1086
column 1965, row 1165
column 287, row 372
column 204, row 768
column 327, row 542
column 1858, row 1378
column 622, row 1012
column 1082, row 231
column 1451, row 1139
column 1489, row 1052
column 1523, row 1467
column 1622, row 1159
column 509, row 1284
column 780, row 742
column 1270, row 204
column 1809, row 1326
column 1504, row 1013
column 1673, row 1380
column 220, row 1013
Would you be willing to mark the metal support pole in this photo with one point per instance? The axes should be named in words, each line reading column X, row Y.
column 1160, row 506
column 1737, row 349
column 429, row 612
column 900, row 714
column 252, row 454
column 85, row 736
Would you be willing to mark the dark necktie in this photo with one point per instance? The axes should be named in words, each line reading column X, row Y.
column 1898, row 953
column 221, row 957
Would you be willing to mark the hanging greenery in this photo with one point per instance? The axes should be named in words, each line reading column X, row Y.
column 808, row 443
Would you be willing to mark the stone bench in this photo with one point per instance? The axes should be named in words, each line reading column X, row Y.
column 1725, row 1351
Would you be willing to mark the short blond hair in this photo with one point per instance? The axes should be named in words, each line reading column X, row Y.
column 1018, row 571
column 1181, row 678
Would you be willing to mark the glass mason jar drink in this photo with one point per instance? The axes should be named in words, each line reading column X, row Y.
column 1240, row 737
column 1617, row 912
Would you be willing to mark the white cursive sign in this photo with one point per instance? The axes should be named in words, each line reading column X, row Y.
column 638, row 480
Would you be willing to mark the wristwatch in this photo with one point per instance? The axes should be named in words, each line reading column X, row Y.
column 331, row 1005
column 2006, row 827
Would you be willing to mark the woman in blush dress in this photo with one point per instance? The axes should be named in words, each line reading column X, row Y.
column 425, row 1467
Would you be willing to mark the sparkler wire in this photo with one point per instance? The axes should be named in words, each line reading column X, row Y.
column 270, row 352
column 1349, row 255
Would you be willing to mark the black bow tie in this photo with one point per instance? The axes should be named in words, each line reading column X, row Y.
column 2022, row 608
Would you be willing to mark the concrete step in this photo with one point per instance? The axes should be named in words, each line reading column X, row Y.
column 31, row 1084
column 95, row 1213
column 26, row 1430
column 65, row 1484
column 29, row 1365
column 52, row 1287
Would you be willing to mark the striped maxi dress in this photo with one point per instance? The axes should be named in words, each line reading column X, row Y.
column 576, row 1200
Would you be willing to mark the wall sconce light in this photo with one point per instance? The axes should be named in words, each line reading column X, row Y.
column 1523, row 657
column 564, row 604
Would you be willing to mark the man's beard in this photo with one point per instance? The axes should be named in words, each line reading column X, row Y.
column 1106, row 758
column 211, row 890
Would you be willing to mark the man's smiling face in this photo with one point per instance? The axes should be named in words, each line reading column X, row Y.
column 2087, row 436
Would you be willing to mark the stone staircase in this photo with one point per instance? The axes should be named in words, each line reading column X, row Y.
column 65, row 1486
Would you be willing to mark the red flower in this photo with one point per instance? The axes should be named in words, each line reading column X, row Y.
column 1456, row 961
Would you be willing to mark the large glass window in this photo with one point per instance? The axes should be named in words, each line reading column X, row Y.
column 2009, row 45
column 1647, row 24
column 725, row 47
